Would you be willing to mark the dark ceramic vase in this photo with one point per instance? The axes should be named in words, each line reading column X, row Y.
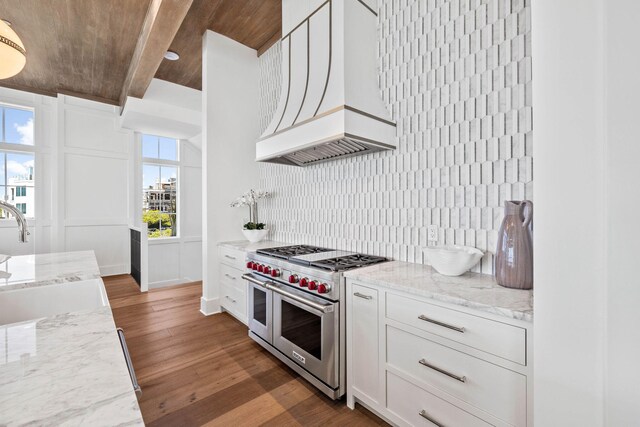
column 514, row 254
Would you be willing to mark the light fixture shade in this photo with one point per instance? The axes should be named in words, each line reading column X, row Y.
column 12, row 53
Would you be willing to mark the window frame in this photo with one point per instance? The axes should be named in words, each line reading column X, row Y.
column 16, row 148
column 154, row 161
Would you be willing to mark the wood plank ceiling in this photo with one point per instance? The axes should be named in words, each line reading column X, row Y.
column 254, row 23
column 77, row 47
column 85, row 48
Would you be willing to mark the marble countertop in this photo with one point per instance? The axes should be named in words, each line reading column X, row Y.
column 247, row 246
column 26, row 271
column 472, row 290
column 63, row 370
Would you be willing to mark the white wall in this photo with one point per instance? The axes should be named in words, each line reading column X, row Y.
column 230, row 130
column 88, row 187
column 586, row 346
column 456, row 77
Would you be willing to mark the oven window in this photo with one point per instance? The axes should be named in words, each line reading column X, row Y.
column 302, row 328
column 259, row 306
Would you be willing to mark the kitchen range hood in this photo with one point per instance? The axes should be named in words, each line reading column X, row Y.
column 330, row 105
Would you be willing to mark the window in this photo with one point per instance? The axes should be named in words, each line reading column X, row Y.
column 160, row 185
column 17, row 159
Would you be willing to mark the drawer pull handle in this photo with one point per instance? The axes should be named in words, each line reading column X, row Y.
column 230, row 276
column 462, row 379
column 444, row 325
column 229, row 256
column 359, row 295
column 230, row 299
column 426, row 416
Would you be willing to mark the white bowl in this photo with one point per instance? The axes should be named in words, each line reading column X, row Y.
column 254, row 236
column 452, row 260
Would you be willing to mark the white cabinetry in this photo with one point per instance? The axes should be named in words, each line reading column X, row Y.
column 363, row 315
column 415, row 361
column 233, row 289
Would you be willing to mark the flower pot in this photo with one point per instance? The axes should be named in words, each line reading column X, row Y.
column 255, row 236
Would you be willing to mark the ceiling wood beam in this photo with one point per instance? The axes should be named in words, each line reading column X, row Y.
column 272, row 40
column 161, row 24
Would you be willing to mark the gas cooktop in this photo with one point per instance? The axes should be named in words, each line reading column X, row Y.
column 322, row 258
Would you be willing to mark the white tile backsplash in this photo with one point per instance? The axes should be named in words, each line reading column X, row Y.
column 456, row 76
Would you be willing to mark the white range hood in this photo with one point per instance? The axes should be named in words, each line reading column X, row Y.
column 330, row 105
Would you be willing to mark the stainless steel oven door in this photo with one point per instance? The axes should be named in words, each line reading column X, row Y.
column 306, row 329
column 260, row 305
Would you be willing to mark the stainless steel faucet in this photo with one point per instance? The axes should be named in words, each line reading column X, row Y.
column 23, row 229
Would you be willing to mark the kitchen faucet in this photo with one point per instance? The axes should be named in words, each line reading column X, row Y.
column 23, row 229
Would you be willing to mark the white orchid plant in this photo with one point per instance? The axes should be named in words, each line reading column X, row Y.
column 250, row 199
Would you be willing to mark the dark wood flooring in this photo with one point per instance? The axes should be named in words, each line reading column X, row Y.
column 199, row 370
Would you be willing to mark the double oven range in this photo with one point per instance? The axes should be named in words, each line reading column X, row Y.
column 297, row 310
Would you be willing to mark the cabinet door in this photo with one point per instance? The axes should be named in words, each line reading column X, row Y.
column 364, row 367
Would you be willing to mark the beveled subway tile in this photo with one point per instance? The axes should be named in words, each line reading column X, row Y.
column 456, row 76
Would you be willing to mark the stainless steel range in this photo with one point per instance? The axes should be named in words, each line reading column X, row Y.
column 295, row 309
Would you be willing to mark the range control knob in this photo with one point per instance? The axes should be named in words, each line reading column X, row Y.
column 250, row 265
column 323, row 288
column 293, row 278
column 261, row 268
column 304, row 282
column 254, row 267
column 313, row 285
column 266, row 269
column 275, row 273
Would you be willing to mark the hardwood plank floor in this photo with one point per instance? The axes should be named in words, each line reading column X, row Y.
column 198, row 370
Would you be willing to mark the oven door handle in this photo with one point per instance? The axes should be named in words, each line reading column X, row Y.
column 323, row 308
column 255, row 281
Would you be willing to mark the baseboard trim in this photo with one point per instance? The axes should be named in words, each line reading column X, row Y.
column 209, row 306
column 113, row 270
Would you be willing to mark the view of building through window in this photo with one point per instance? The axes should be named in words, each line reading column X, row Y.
column 160, row 186
column 17, row 164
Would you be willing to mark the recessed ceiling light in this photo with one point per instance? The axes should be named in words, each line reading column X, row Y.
column 171, row 55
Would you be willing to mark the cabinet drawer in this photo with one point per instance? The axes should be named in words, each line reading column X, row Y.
column 418, row 407
column 500, row 339
column 233, row 257
column 363, row 314
column 496, row 390
column 231, row 276
column 234, row 299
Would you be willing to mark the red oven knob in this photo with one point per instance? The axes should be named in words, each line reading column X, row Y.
column 313, row 285
column 249, row 265
column 261, row 268
column 266, row 269
column 254, row 267
column 323, row 288
column 304, row 282
column 275, row 273
column 293, row 278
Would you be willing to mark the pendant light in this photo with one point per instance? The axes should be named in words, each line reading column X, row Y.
column 12, row 54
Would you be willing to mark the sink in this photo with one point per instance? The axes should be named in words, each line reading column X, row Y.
column 19, row 305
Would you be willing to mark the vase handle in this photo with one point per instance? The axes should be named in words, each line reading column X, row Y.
column 528, row 212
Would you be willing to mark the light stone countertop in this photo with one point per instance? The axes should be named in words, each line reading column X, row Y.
column 25, row 271
column 64, row 370
column 476, row 291
column 247, row 246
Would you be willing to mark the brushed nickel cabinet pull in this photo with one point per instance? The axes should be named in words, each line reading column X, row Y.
column 230, row 276
column 359, row 295
column 426, row 416
column 462, row 379
column 444, row 325
column 230, row 299
column 229, row 256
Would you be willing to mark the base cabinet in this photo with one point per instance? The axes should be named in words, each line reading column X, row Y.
column 415, row 361
column 233, row 289
column 363, row 308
